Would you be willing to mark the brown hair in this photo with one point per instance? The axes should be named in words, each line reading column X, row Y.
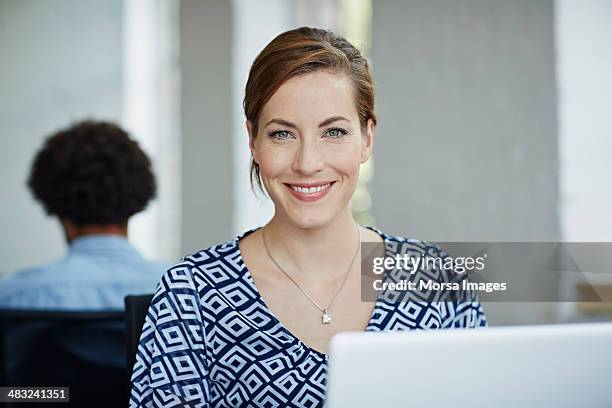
column 299, row 52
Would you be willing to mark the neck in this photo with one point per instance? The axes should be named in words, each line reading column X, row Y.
column 73, row 231
column 314, row 253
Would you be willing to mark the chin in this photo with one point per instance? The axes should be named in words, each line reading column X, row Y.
column 313, row 218
column 310, row 224
column 308, row 215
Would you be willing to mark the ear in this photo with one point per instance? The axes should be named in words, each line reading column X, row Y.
column 368, row 141
column 252, row 147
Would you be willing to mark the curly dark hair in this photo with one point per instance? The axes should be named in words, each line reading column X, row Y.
column 92, row 173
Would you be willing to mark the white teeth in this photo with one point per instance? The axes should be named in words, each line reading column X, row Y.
column 310, row 190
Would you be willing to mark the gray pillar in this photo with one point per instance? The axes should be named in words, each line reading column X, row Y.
column 206, row 38
column 466, row 148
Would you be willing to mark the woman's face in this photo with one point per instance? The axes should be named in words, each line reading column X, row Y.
column 309, row 146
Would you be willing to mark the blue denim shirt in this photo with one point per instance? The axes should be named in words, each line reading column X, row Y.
column 96, row 274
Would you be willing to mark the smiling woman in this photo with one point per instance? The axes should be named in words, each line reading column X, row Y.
column 309, row 148
column 249, row 321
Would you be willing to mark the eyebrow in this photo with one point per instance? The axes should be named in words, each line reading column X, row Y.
column 326, row 122
column 331, row 120
column 281, row 122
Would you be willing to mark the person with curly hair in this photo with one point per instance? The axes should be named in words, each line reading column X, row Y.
column 93, row 177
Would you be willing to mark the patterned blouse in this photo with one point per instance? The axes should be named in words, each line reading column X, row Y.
column 209, row 340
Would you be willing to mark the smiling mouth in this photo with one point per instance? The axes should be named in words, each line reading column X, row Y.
column 311, row 189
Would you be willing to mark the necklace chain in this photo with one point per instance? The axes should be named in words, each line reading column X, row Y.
column 326, row 317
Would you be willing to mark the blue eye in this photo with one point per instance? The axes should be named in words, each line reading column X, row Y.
column 280, row 135
column 335, row 133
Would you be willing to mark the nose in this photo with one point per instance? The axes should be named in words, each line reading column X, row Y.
column 308, row 159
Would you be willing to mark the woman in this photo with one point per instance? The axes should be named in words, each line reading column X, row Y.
column 249, row 321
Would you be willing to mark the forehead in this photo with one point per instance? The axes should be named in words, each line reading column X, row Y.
column 312, row 98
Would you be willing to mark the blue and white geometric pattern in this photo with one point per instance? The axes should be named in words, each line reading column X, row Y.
column 209, row 340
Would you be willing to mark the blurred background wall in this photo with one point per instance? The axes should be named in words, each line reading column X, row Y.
column 61, row 61
column 468, row 134
column 493, row 115
column 467, row 144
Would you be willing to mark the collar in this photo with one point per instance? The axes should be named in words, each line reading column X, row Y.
column 104, row 245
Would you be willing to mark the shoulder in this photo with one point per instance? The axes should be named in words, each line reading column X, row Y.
column 200, row 286
column 147, row 270
column 398, row 244
column 33, row 287
column 36, row 275
column 211, row 267
column 423, row 263
column 219, row 253
column 13, row 286
column 217, row 262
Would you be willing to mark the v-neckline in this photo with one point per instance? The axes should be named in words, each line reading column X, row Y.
column 249, row 277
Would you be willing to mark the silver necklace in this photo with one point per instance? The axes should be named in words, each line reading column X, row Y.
column 326, row 317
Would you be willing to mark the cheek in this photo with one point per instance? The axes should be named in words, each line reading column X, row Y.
column 272, row 164
column 342, row 159
column 347, row 163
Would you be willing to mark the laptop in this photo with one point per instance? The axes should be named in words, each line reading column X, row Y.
column 564, row 365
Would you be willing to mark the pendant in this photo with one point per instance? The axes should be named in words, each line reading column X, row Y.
column 326, row 318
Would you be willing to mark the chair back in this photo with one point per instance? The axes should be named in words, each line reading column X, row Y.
column 81, row 350
column 135, row 312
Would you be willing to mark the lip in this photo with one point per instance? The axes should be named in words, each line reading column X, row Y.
column 310, row 197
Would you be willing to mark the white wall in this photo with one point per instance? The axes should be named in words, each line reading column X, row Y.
column 584, row 63
column 61, row 60
column 151, row 115
column 254, row 25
